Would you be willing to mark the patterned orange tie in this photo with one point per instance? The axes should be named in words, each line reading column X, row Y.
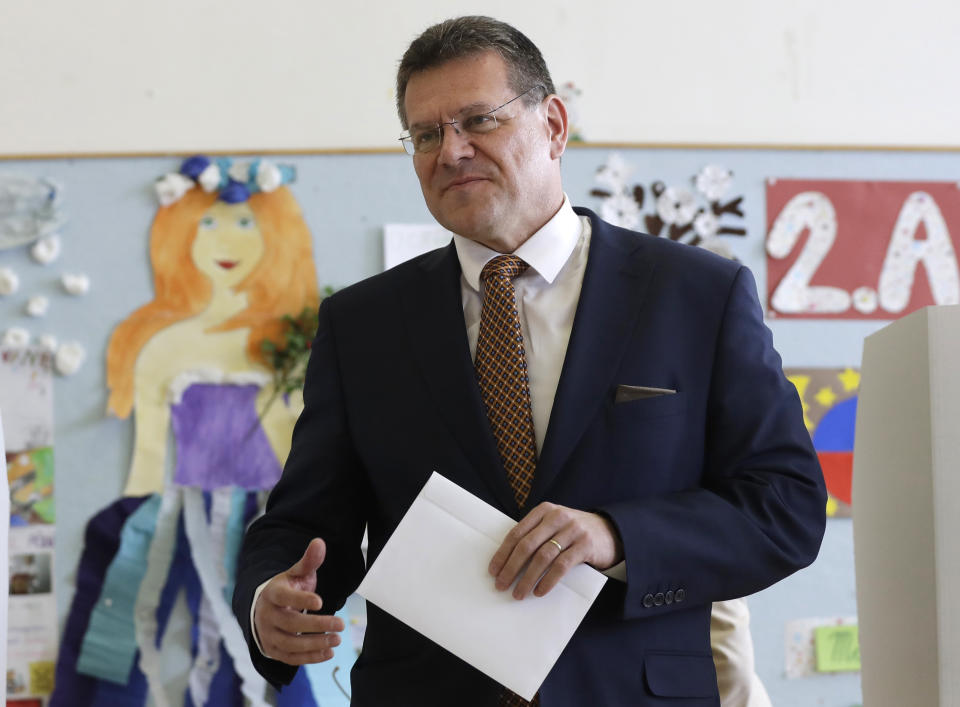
column 501, row 368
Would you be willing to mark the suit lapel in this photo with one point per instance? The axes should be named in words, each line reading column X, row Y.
column 438, row 339
column 611, row 298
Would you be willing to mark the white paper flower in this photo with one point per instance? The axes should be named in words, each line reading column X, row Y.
column 16, row 337
column 75, row 283
column 706, row 225
column 614, row 173
column 171, row 187
column 676, row 205
column 715, row 245
column 621, row 209
column 210, row 178
column 48, row 342
column 268, row 176
column 239, row 172
column 714, row 181
column 37, row 306
column 69, row 358
column 9, row 281
column 570, row 95
column 46, row 250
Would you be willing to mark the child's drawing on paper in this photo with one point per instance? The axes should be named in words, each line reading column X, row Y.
column 232, row 264
column 30, row 477
column 227, row 266
column 829, row 398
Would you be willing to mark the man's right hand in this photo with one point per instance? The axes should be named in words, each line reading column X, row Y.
column 285, row 631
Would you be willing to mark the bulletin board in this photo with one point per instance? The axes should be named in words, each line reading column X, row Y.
column 718, row 197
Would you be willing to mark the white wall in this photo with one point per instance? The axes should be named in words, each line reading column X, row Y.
column 182, row 75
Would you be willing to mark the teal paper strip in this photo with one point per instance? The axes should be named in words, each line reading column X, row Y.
column 235, row 531
column 109, row 644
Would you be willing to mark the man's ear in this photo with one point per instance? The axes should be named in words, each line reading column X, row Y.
column 557, row 125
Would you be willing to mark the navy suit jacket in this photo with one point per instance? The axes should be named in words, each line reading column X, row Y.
column 715, row 490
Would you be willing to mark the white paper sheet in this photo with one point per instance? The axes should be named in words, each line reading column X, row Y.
column 402, row 241
column 432, row 575
column 26, row 398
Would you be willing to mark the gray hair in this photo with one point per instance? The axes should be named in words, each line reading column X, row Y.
column 474, row 34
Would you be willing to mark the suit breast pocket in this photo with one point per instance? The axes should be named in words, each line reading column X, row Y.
column 650, row 407
column 645, row 446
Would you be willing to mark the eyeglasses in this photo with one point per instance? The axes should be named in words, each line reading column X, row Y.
column 425, row 139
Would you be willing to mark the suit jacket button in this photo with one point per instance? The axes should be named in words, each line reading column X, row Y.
column 679, row 595
column 659, row 599
column 668, row 597
column 648, row 601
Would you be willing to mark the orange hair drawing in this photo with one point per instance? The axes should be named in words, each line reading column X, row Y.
column 283, row 282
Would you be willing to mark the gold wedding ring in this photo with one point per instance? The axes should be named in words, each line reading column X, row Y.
column 559, row 546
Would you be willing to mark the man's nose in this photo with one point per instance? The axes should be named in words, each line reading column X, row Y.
column 455, row 145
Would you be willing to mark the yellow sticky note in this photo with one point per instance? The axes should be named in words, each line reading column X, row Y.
column 837, row 649
column 41, row 677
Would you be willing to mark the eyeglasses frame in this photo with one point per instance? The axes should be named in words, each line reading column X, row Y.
column 408, row 138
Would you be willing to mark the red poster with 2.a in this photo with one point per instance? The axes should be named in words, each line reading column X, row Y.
column 843, row 249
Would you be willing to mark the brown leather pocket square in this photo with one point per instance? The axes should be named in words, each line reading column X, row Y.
column 626, row 393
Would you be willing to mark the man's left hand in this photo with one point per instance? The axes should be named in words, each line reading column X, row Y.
column 548, row 543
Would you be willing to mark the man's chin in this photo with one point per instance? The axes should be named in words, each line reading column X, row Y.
column 473, row 223
column 474, row 233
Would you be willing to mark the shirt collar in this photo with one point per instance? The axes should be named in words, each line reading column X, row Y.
column 546, row 251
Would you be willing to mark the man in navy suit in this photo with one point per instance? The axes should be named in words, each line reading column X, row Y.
column 666, row 435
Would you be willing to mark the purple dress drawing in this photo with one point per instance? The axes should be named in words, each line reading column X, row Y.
column 219, row 440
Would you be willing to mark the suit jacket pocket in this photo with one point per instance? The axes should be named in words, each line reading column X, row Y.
column 680, row 675
column 650, row 406
column 629, row 393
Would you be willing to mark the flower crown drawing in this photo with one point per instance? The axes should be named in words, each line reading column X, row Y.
column 235, row 181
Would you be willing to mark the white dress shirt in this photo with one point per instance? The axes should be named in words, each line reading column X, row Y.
column 547, row 296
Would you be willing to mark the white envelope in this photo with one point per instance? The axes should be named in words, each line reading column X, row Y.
column 432, row 575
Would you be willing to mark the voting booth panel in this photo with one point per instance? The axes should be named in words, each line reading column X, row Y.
column 906, row 487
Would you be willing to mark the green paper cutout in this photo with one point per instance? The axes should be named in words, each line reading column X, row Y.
column 837, row 649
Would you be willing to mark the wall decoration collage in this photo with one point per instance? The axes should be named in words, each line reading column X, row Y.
column 211, row 368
